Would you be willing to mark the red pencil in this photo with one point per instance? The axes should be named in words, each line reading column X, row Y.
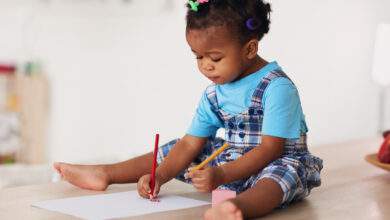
column 152, row 182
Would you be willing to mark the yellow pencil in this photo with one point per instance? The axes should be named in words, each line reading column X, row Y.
column 210, row 158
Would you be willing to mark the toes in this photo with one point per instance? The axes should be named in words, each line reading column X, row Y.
column 238, row 215
column 226, row 210
column 57, row 166
column 229, row 207
column 208, row 214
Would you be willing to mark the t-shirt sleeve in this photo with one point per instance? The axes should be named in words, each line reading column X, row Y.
column 205, row 122
column 282, row 110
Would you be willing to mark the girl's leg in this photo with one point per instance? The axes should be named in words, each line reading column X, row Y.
column 257, row 201
column 98, row 177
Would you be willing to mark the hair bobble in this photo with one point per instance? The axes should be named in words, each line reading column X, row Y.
column 252, row 24
column 194, row 4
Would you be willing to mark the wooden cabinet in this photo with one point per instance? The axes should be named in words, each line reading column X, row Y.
column 28, row 104
column 33, row 93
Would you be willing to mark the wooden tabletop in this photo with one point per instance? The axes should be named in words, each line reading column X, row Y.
column 351, row 189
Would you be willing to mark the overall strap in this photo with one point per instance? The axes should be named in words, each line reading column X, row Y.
column 212, row 96
column 259, row 91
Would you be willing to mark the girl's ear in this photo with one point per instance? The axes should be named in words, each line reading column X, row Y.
column 251, row 48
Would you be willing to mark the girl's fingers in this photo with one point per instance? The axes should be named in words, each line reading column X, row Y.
column 195, row 173
column 146, row 187
column 156, row 189
column 198, row 179
column 140, row 189
column 155, row 192
column 203, row 190
column 145, row 184
column 145, row 193
column 198, row 185
column 56, row 166
column 143, row 187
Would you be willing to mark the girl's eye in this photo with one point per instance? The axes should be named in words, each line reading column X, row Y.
column 198, row 58
column 216, row 60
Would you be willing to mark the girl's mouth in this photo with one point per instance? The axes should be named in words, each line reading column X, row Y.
column 214, row 78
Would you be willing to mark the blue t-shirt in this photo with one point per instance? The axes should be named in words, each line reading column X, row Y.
column 283, row 116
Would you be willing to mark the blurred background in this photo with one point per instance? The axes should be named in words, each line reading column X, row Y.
column 92, row 81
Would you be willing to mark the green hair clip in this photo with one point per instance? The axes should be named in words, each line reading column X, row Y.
column 194, row 5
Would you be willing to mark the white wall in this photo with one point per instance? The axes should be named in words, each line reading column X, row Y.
column 122, row 72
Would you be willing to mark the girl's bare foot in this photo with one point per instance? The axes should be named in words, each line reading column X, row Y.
column 226, row 210
column 91, row 177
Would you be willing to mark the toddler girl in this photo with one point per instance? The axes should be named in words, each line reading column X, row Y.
column 267, row 163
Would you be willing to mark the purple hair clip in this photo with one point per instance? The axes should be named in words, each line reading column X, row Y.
column 252, row 24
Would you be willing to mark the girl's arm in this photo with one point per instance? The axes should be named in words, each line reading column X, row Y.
column 271, row 148
column 180, row 157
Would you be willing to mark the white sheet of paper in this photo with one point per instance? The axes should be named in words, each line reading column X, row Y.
column 116, row 205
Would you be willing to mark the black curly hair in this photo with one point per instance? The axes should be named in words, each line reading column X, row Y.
column 234, row 15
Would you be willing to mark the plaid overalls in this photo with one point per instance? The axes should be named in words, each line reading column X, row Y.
column 297, row 171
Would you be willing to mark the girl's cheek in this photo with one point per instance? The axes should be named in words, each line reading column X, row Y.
column 200, row 67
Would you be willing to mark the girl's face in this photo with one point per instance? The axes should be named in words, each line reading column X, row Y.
column 220, row 57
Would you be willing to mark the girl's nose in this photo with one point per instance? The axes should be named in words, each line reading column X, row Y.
column 207, row 66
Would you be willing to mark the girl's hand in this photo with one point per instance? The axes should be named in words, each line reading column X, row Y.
column 144, row 188
column 207, row 179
